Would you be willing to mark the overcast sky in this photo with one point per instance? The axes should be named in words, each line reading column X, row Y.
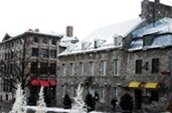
column 17, row 16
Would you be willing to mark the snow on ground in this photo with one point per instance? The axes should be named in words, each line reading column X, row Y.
column 57, row 109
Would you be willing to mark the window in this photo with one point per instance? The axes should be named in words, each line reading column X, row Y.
column 36, row 39
column 34, row 67
column 63, row 90
column 44, row 41
column 72, row 69
column 72, row 91
column 11, row 69
column 52, row 69
column 115, row 67
column 155, row 65
column 44, row 53
column 147, row 40
column 53, row 53
column 114, row 92
column 53, row 42
column 103, row 68
column 44, row 68
column 102, row 94
column 81, row 69
column 90, row 69
column 12, row 54
column 63, row 70
column 35, row 52
column 138, row 68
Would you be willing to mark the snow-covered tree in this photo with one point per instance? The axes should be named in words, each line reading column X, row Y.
column 19, row 105
column 41, row 103
column 79, row 104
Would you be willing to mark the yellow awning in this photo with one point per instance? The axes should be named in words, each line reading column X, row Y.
column 152, row 85
column 134, row 84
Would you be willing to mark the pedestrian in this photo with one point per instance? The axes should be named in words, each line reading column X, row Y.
column 113, row 103
column 96, row 96
column 169, row 106
column 0, row 109
column 90, row 102
column 67, row 102
column 126, row 103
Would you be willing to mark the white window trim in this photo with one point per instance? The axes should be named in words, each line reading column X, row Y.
column 63, row 69
column 102, row 97
column 103, row 67
column 91, row 69
column 72, row 69
column 116, row 67
column 81, row 69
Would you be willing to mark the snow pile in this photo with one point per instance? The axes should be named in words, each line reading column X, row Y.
column 40, row 103
column 79, row 104
column 20, row 102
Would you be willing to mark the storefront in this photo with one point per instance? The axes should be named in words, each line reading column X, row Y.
column 144, row 92
column 49, row 91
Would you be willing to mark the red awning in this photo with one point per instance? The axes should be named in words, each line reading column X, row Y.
column 53, row 82
column 44, row 83
column 35, row 82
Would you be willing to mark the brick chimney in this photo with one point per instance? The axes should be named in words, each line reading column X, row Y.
column 69, row 31
column 36, row 30
column 157, row 1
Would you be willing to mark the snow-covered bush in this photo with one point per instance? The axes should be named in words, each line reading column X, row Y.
column 41, row 103
column 79, row 104
column 19, row 105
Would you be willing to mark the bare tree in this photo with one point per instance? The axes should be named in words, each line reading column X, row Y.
column 15, row 67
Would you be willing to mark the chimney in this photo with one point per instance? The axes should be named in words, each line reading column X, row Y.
column 157, row 1
column 69, row 31
column 36, row 30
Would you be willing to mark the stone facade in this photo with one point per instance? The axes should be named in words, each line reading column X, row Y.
column 105, row 83
column 39, row 48
column 108, row 86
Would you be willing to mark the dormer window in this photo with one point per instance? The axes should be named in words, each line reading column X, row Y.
column 118, row 40
column 147, row 40
column 98, row 43
column 85, row 45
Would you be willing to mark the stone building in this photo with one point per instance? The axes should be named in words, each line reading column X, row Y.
column 149, row 63
column 112, row 61
column 40, row 50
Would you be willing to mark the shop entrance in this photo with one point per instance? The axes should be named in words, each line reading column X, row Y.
column 138, row 98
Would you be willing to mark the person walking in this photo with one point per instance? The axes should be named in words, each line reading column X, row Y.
column 67, row 102
column 0, row 109
column 113, row 103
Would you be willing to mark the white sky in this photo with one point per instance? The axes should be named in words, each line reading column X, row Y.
column 17, row 16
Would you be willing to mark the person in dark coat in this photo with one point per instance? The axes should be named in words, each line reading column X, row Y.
column 113, row 103
column 126, row 103
column 90, row 102
column 67, row 102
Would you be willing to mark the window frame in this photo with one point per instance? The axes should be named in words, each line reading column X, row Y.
column 155, row 65
column 138, row 66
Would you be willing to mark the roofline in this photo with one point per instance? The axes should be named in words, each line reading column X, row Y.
column 31, row 33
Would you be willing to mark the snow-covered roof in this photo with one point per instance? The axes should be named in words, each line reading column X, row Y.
column 104, row 37
column 15, row 35
column 162, row 26
column 163, row 40
column 161, row 32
